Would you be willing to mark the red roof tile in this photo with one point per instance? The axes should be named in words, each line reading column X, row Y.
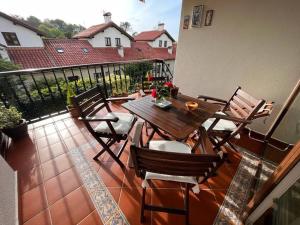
column 93, row 30
column 73, row 54
column 30, row 57
column 151, row 35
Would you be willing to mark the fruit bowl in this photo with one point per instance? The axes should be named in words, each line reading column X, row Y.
column 190, row 105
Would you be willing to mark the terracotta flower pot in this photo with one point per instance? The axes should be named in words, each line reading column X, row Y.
column 19, row 131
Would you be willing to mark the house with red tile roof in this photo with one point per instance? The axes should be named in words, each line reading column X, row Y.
column 98, row 44
column 159, row 38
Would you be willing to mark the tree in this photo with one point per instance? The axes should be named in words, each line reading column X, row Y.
column 6, row 65
column 125, row 26
column 33, row 21
column 51, row 31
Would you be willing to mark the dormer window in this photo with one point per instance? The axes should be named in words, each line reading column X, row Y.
column 85, row 50
column 165, row 44
column 118, row 41
column 60, row 50
column 107, row 41
column 160, row 43
column 11, row 38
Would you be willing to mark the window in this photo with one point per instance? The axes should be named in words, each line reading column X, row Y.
column 60, row 50
column 118, row 41
column 85, row 50
column 11, row 38
column 160, row 43
column 107, row 41
column 165, row 44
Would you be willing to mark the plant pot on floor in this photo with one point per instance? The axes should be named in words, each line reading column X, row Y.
column 19, row 131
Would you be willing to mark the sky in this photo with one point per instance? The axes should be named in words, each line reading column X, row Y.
column 142, row 16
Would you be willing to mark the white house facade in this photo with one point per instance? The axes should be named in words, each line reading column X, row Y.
column 110, row 37
column 15, row 34
column 163, row 41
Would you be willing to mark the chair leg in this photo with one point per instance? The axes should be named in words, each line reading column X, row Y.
column 186, row 203
column 143, row 206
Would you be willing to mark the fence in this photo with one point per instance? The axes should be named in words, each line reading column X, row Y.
column 40, row 93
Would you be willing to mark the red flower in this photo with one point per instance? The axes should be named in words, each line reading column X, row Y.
column 154, row 93
column 169, row 84
column 150, row 77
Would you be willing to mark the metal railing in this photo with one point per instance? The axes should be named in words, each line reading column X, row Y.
column 40, row 93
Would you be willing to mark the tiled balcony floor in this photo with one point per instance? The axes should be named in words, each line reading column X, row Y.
column 51, row 191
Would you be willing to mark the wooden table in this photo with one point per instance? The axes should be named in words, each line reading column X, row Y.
column 176, row 120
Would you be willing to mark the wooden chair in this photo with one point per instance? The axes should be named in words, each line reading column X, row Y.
column 114, row 126
column 240, row 110
column 173, row 161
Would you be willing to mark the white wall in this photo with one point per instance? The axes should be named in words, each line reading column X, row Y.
column 99, row 39
column 163, row 38
column 4, row 54
column 171, row 64
column 9, row 194
column 254, row 44
column 27, row 38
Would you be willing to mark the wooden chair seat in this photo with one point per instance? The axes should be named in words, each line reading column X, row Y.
column 122, row 126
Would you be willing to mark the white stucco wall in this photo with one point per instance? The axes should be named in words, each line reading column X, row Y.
column 27, row 38
column 3, row 53
column 163, row 38
column 99, row 39
column 253, row 44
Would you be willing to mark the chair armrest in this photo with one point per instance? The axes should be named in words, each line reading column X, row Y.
column 98, row 119
column 205, row 98
column 120, row 99
column 231, row 118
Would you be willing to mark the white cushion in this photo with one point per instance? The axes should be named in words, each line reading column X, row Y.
column 221, row 125
column 122, row 126
column 170, row 146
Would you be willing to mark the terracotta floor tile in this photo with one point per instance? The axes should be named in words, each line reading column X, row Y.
column 115, row 192
column 53, row 138
column 167, row 198
column 219, row 195
column 203, row 208
column 42, row 218
column 61, row 185
column 50, row 129
column 22, row 155
column 130, row 205
column 29, row 178
column 111, row 174
column 55, row 166
column 51, row 151
column 71, row 209
column 33, row 202
column 65, row 133
column 92, row 219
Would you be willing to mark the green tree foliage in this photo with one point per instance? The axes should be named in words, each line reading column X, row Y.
column 6, row 65
column 56, row 28
column 125, row 26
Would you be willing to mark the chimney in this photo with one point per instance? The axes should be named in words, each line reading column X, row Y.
column 107, row 17
column 161, row 26
column 170, row 50
column 121, row 51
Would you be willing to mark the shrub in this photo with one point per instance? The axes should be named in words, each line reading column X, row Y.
column 10, row 117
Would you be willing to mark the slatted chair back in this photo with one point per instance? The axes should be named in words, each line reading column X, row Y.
column 243, row 105
column 89, row 103
column 172, row 163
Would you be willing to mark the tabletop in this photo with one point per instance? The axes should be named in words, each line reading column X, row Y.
column 175, row 120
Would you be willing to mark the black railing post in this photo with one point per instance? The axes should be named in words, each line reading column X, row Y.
column 109, row 78
column 57, row 83
column 37, row 88
column 104, row 84
column 77, row 90
column 83, row 83
column 24, row 86
column 47, row 84
column 88, row 70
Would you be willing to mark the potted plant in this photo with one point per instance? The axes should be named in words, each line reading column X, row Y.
column 70, row 102
column 12, row 123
